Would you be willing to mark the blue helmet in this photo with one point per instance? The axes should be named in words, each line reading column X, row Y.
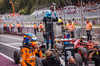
column 30, row 39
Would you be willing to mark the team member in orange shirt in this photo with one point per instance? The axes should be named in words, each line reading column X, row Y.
column 35, row 28
column 18, row 26
column 71, row 28
column 41, row 27
column 88, row 29
column 11, row 27
column 4, row 27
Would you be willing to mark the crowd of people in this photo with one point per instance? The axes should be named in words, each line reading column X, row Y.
column 11, row 26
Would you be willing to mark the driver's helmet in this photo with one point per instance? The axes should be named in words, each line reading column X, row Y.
column 30, row 39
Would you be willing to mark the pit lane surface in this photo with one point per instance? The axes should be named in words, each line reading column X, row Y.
column 8, row 44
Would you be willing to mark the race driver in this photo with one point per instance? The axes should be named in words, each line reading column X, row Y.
column 29, row 50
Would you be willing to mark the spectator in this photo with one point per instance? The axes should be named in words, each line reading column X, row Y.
column 49, row 60
column 18, row 26
column 35, row 28
column 4, row 27
column 72, row 62
column 95, row 55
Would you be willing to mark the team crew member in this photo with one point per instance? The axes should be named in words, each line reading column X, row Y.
column 95, row 55
column 60, row 21
column 88, row 29
column 18, row 26
column 71, row 28
column 48, row 19
column 35, row 28
column 29, row 51
column 11, row 27
column 4, row 27
column 41, row 27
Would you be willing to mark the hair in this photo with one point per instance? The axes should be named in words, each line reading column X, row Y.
column 71, row 60
column 48, row 53
column 88, row 20
column 51, row 8
column 69, row 21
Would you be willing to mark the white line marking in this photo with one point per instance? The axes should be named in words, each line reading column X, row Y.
column 9, row 45
column 7, row 57
column 11, row 37
column 14, row 43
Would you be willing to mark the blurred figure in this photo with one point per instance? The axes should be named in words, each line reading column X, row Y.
column 88, row 29
column 35, row 28
column 49, row 59
column 72, row 62
column 11, row 27
column 41, row 27
column 95, row 55
column 4, row 27
column 18, row 26
column 70, row 28
column 60, row 21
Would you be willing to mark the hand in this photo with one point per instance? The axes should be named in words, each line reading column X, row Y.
column 55, row 14
column 37, row 47
column 95, row 49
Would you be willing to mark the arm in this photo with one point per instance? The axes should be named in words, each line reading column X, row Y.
column 39, row 53
column 44, row 19
column 91, row 25
column 22, row 57
column 56, row 19
column 90, row 56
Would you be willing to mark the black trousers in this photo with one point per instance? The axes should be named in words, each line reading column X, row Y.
column 19, row 29
column 89, row 37
column 11, row 29
column 4, row 28
column 35, row 30
column 51, row 35
column 71, row 34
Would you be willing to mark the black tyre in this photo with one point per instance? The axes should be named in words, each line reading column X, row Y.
column 83, row 51
column 78, row 59
column 17, row 56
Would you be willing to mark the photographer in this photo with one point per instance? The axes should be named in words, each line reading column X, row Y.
column 49, row 60
column 95, row 55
